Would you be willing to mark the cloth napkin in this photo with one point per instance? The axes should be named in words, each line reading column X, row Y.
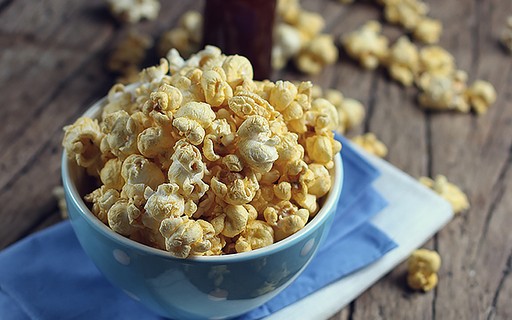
column 48, row 276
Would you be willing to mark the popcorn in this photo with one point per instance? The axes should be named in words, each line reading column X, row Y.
column 256, row 145
column 82, row 142
column 448, row 191
column 481, row 95
column 119, row 216
column 102, row 200
column 436, row 60
column 309, row 24
column 121, row 131
column 257, row 234
column 187, row 170
column 506, row 35
column 317, row 54
column 428, row 30
column 403, row 61
column 164, row 203
column 321, row 149
column 291, row 155
column 133, row 11
column 286, row 44
column 237, row 69
column 216, row 89
column 58, row 193
column 423, row 266
column 191, row 120
column 323, row 116
column 371, row 144
column 286, row 219
column 407, row 13
column 235, row 220
column 111, row 176
column 186, row 38
column 233, row 188
column 444, row 91
column 321, row 183
column 283, row 190
column 351, row 112
column 138, row 170
column 166, row 99
column 184, row 237
column 189, row 162
column 155, row 141
column 129, row 54
column 367, row 45
column 289, row 10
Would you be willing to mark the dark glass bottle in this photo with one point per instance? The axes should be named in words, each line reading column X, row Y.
column 242, row 27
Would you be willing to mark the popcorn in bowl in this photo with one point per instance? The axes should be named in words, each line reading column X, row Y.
column 205, row 160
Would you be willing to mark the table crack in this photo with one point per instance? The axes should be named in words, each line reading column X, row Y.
column 505, row 274
column 371, row 102
column 495, row 201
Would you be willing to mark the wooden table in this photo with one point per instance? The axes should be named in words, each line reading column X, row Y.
column 52, row 67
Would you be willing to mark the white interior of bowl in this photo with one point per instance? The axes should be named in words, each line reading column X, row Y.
column 71, row 174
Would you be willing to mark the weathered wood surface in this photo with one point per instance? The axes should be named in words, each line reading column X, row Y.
column 52, row 67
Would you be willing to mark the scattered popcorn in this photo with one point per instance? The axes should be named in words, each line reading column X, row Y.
column 58, row 193
column 205, row 160
column 423, row 266
column 448, row 191
column 128, row 55
column 351, row 112
column 506, row 35
column 287, row 44
column 371, row 144
column 186, row 37
column 444, row 91
column 436, row 60
column 403, row 61
column 428, row 30
column 407, row 13
column 309, row 24
column 318, row 53
column 367, row 45
column 132, row 11
column 481, row 94
column 288, row 10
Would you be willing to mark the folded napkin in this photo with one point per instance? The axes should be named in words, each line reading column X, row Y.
column 48, row 276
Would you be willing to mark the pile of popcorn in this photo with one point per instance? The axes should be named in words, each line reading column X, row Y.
column 197, row 158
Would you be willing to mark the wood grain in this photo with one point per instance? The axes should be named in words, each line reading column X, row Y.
column 52, row 68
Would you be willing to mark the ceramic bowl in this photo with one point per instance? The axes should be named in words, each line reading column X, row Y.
column 210, row 287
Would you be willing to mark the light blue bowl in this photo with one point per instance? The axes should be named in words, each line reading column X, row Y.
column 213, row 287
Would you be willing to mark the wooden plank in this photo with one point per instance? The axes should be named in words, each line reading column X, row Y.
column 32, row 134
column 28, row 195
column 477, row 245
column 55, row 50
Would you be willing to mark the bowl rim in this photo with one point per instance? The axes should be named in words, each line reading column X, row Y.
column 322, row 215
